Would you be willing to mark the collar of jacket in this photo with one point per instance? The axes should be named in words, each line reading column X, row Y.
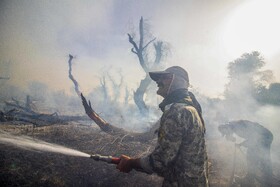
column 177, row 96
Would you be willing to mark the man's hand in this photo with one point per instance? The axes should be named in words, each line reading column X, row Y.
column 127, row 164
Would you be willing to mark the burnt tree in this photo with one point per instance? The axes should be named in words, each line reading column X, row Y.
column 141, row 50
column 116, row 86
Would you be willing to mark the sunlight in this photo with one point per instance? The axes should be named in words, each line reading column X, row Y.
column 254, row 25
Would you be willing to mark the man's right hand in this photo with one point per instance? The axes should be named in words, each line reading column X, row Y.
column 127, row 164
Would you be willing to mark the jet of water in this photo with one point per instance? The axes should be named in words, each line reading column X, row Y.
column 26, row 142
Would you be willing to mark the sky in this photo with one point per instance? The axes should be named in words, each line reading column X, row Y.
column 36, row 37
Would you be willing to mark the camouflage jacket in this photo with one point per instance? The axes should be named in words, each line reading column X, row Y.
column 180, row 154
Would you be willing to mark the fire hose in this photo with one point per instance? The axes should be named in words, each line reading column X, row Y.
column 108, row 159
column 112, row 160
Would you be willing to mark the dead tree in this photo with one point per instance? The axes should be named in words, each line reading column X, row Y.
column 104, row 88
column 141, row 51
column 127, row 96
column 116, row 86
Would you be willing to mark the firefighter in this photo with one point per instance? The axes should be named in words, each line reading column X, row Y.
column 258, row 141
column 180, row 155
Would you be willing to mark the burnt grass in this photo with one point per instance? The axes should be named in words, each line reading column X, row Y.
column 22, row 167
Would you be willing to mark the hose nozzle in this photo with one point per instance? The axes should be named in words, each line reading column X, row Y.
column 108, row 159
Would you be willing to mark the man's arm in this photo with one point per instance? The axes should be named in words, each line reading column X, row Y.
column 169, row 141
column 170, row 135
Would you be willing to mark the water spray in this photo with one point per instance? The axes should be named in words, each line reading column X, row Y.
column 29, row 143
column 32, row 144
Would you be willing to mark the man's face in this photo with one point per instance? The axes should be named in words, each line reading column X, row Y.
column 163, row 84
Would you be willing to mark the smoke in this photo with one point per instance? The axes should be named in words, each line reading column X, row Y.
column 117, row 107
column 239, row 102
column 26, row 142
column 268, row 116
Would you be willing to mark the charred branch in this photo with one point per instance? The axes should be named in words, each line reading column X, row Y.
column 103, row 125
column 5, row 78
column 26, row 114
column 149, row 43
column 113, row 130
column 133, row 51
column 130, row 39
column 141, row 31
column 16, row 106
column 72, row 77
column 138, row 51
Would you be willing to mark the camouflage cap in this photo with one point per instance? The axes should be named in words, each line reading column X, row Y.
column 175, row 70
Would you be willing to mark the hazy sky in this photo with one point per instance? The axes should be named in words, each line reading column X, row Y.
column 36, row 37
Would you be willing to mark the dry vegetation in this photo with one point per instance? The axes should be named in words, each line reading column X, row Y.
column 21, row 167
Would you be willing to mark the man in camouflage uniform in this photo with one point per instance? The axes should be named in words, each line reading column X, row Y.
column 180, row 154
column 258, row 142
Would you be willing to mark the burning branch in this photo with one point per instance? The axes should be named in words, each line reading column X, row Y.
column 72, row 77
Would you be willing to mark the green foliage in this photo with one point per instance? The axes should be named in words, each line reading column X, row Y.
column 247, row 80
column 270, row 95
column 247, row 63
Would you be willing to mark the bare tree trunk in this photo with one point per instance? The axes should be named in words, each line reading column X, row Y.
column 139, row 51
column 139, row 95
